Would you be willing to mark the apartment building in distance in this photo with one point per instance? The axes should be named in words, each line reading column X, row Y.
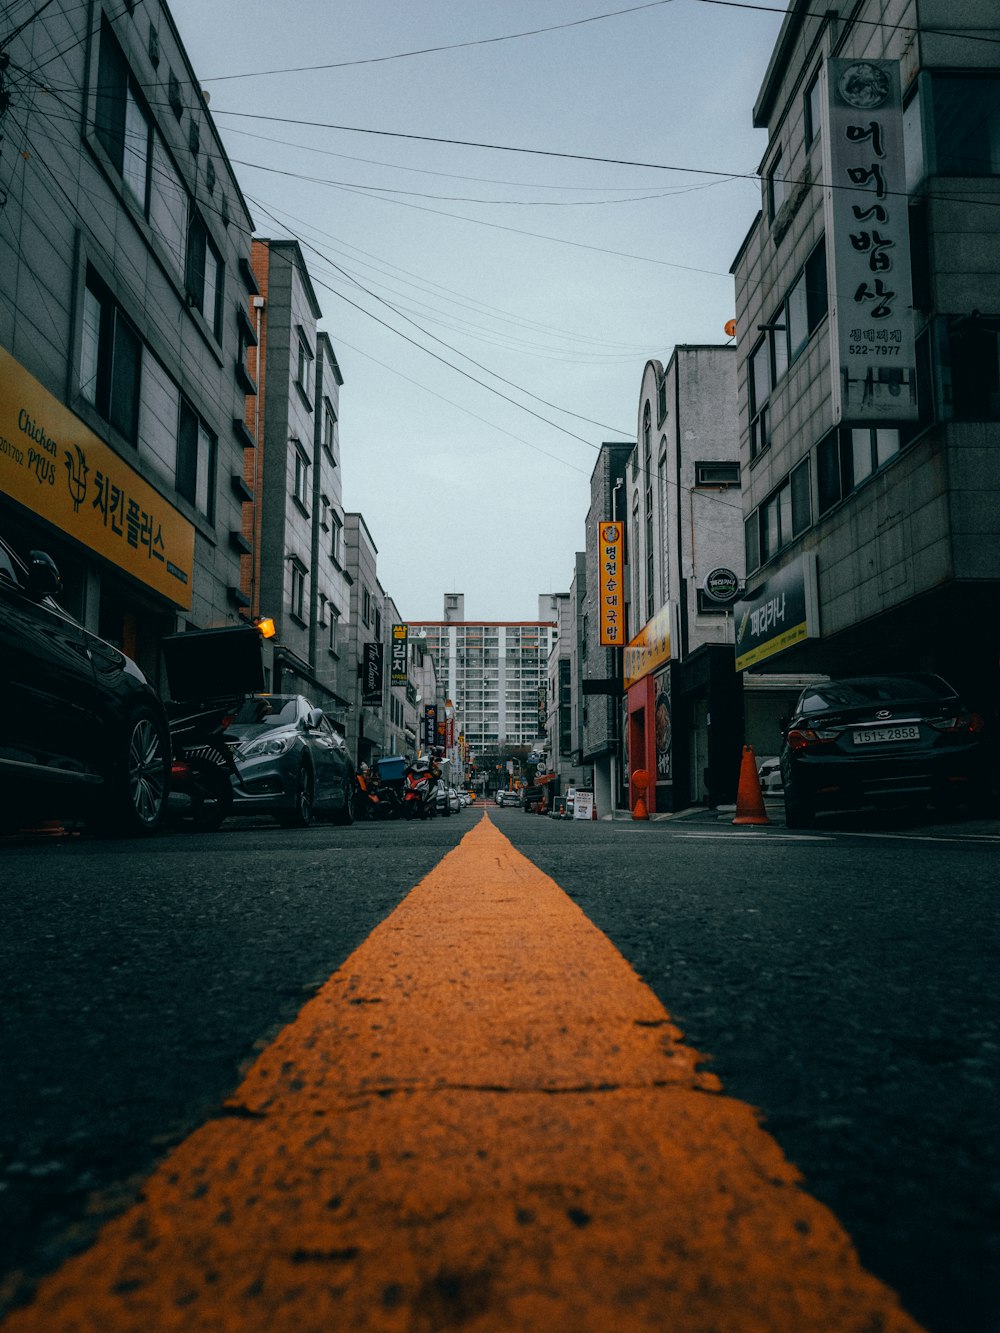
column 495, row 673
column 868, row 318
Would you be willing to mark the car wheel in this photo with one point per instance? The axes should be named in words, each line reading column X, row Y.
column 301, row 815
column 346, row 814
column 139, row 795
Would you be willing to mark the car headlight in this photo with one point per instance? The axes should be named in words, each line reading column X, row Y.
column 266, row 745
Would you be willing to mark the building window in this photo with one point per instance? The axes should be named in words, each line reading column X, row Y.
column 973, row 364
column 336, row 538
column 203, row 272
column 300, row 477
column 813, row 108
column 332, row 625
column 799, row 484
column 121, row 122
column 330, row 430
column 967, row 124
column 298, row 600
column 848, row 457
column 366, row 607
column 782, row 517
column 776, row 191
column 324, row 513
column 110, row 359
column 196, row 455
column 751, row 541
column 716, row 474
column 760, row 394
column 303, row 369
column 378, row 624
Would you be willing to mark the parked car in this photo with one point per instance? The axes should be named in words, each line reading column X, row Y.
column 505, row 797
column 292, row 763
column 448, row 802
column 84, row 733
column 886, row 740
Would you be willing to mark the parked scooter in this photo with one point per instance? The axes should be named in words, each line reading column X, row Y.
column 374, row 799
column 202, row 770
column 420, row 788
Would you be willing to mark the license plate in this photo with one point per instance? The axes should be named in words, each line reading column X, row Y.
column 882, row 735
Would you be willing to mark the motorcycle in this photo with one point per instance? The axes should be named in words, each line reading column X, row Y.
column 420, row 790
column 374, row 799
column 202, row 769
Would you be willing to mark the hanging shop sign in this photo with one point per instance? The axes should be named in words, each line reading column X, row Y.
column 51, row 463
column 430, row 724
column 611, row 585
column 372, row 675
column 651, row 646
column 871, row 307
column 721, row 585
column 778, row 614
column 398, row 658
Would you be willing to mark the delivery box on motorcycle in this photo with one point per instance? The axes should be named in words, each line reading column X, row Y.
column 214, row 663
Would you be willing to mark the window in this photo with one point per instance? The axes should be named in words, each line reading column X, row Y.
column 760, row 393
column 298, row 589
column 974, row 367
column 110, row 359
column 336, row 538
column 776, row 191
column 966, row 112
column 716, row 474
column 784, row 514
column 203, row 272
column 848, row 457
column 196, row 453
column 813, row 108
column 366, row 607
column 661, row 400
column 801, row 497
column 303, row 369
column 324, row 513
column 121, row 122
column 806, row 304
column 330, row 430
column 300, row 478
column 751, row 541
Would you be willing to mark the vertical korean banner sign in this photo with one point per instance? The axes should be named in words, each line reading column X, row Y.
column 610, row 584
column 868, row 245
column 430, row 724
column 398, row 663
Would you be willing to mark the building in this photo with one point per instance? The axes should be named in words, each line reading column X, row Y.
column 868, row 315
column 364, row 649
column 561, row 744
column 495, row 673
column 123, row 329
column 685, row 565
column 293, row 543
column 600, row 663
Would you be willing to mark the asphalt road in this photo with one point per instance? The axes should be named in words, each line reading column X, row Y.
column 842, row 982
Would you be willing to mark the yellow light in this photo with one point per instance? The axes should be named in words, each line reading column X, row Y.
column 266, row 626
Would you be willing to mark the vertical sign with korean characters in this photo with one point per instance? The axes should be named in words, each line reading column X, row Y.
column 611, row 585
column 398, row 663
column 868, row 244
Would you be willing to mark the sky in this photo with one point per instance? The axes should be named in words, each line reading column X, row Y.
column 492, row 302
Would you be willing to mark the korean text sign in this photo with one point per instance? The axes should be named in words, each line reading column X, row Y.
column 868, row 243
column 611, row 585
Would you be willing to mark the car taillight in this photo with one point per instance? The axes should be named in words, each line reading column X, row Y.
column 970, row 722
column 801, row 738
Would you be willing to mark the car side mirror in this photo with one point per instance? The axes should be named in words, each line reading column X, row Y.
column 43, row 575
column 314, row 718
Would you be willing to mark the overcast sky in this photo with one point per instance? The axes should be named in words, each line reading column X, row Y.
column 492, row 310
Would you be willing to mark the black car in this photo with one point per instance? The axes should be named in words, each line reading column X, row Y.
column 292, row 763
column 880, row 740
column 83, row 732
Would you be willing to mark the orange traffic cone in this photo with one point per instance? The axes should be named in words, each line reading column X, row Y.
column 749, row 798
column 640, row 780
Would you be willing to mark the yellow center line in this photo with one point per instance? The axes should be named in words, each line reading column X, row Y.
column 486, row 1121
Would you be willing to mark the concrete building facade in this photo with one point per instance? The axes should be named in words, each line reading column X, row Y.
column 123, row 327
column 870, row 399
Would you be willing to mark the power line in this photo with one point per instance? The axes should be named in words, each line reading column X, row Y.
column 431, row 50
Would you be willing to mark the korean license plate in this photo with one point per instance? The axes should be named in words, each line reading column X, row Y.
column 882, row 735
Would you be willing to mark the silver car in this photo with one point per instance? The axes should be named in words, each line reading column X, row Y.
column 291, row 762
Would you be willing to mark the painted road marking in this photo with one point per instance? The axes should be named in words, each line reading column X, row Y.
column 484, row 1119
